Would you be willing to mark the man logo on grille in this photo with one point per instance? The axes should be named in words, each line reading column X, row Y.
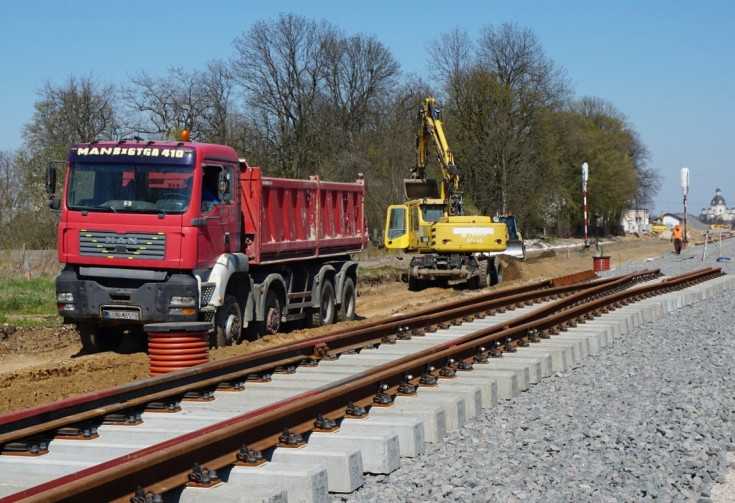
column 120, row 240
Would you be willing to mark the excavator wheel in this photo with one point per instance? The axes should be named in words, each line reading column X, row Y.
column 415, row 284
column 484, row 275
column 496, row 273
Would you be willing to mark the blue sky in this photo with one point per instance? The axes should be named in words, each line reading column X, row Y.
column 668, row 65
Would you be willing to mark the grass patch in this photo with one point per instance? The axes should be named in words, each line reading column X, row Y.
column 29, row 302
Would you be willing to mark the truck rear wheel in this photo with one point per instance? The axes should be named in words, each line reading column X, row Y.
column 271, row 323
column 94, row 341
column 228, row 323
column 324, row 314
column 346, row 310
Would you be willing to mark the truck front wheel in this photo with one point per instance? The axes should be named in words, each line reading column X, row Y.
column 324, row 314
column 228, row 323
column 94, row 340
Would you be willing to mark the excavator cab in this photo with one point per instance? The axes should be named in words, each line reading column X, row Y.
column 396, row 227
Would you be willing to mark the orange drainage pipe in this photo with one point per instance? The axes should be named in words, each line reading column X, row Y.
column 176, row 346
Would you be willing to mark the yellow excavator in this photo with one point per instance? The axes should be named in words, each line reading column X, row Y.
column 448, row 245
column 658, row 226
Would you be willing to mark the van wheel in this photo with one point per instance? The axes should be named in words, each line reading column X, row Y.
column 346, row 310
column 324, row 314
column 228, row 323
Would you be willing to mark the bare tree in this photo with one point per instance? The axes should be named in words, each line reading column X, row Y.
column 449, row 56
column 282, row 66
column 163, row 107
column 360, row 69
column 200, row 101
column 79, row 110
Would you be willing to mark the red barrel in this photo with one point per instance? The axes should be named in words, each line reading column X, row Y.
column 176, row 346
column 601, row 263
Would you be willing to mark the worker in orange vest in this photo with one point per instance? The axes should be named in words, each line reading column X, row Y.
column 676, row 238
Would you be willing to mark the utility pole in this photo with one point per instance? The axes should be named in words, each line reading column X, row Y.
column 585, row 175
column 685, row 187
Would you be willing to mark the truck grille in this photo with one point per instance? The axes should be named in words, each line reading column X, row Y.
column 130, row 245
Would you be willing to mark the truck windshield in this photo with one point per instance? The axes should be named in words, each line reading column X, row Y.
column 129, row 187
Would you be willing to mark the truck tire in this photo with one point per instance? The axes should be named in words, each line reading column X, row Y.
column 324, row 314
column 346, row 311
column 271, row 324
column 93, row 340
column 228, row 323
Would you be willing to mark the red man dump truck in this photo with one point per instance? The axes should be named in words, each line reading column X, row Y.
column 180, row 231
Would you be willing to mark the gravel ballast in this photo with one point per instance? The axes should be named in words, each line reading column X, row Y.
column 648, row 418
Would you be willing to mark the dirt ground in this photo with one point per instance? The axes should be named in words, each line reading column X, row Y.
column 43, row 365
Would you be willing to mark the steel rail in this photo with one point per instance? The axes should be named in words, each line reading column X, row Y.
column 39, row 421
column 168, row 464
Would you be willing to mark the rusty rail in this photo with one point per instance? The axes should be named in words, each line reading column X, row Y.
column 168, row 465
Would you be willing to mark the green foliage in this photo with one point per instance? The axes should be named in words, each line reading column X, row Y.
column 28, row 301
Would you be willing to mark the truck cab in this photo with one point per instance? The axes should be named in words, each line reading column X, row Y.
column 137, row 222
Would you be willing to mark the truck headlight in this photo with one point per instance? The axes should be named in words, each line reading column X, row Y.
column 65, row 297
column 180, row 300
column 187, row 311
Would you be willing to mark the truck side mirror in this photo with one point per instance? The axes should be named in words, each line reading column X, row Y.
column 223, row 187
column 50, row 180
column 54, row 202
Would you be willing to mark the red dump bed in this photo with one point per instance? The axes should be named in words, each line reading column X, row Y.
column 288, row 219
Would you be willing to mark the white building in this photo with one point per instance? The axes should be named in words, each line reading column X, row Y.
column 718, row 213
column 635, row 221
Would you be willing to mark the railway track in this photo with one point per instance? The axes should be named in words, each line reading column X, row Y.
column 352, row 399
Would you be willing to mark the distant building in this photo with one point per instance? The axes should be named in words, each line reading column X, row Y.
column 635, row 221
column 718, row 213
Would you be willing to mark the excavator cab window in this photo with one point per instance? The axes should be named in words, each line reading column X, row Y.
column 431, row 213
column 397, row 222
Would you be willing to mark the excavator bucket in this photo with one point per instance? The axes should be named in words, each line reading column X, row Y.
column 414, row 188
column 515, row 248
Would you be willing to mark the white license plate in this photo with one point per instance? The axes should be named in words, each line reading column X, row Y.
column 121, row 315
